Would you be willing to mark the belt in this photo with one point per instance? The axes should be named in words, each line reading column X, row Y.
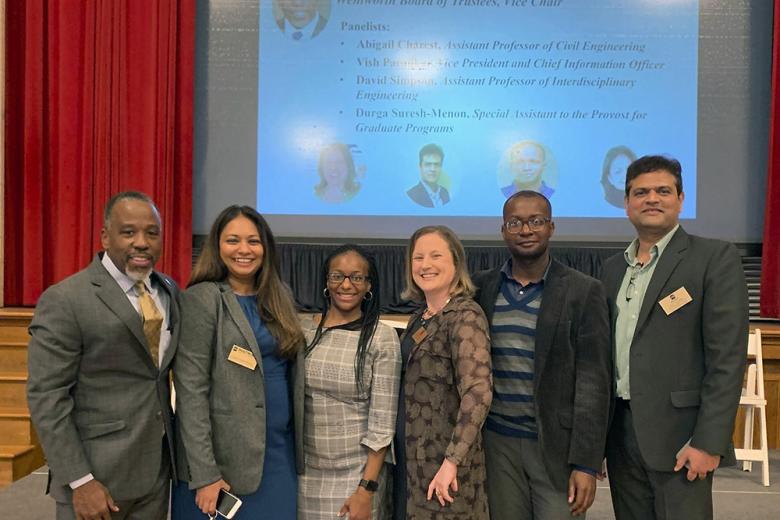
column 623, row 403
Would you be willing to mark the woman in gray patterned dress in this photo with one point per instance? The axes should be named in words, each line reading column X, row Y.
column 352, row 377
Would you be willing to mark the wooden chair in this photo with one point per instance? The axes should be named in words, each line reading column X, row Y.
column 754, row 400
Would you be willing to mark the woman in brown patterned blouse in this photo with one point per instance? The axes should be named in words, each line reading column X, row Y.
column 446, row 387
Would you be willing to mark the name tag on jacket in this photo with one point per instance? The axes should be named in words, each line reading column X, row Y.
column 674, row 301
column 420, row 335
column 243, row 357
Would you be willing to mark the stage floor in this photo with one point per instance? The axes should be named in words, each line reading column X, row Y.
column 736, row 494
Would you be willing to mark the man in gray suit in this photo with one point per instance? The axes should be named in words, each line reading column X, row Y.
column 99, row 357
column 680, row 317
column 545, row 433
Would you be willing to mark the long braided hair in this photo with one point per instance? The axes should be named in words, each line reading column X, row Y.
column 369, row 306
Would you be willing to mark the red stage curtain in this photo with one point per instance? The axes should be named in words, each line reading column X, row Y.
column 99, row 99
column 770, row 265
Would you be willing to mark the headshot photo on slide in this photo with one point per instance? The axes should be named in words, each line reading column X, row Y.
column 301, row 19
column 613, row 174
column 338, row 176
column 527, row 165
column 432, row 188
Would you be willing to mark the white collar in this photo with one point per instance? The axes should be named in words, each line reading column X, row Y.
column 124, row 281
column 307, row 30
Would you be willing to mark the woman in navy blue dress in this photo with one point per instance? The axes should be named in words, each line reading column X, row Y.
column 238, row 380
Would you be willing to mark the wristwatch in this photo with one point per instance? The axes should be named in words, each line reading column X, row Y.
column 369, row 485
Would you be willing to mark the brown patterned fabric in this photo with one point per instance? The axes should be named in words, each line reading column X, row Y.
column 448, row 390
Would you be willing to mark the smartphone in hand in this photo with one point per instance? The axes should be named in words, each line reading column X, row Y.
column 227, row 505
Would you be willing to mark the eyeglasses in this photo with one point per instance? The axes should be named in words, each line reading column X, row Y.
column 515, row 225
column 631, row 287
column 355, row 279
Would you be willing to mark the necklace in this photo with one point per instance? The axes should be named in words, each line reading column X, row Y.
column 428, row 313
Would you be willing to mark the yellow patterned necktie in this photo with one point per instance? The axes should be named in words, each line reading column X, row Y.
column 152, row 320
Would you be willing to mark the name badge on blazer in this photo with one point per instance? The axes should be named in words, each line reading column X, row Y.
column 420, row 335
column 243, row 357
column 674, row 301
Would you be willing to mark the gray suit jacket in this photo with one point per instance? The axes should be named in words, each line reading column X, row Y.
column 220, row 406
column 686, row 369
column 572, row 367
column 98, row 402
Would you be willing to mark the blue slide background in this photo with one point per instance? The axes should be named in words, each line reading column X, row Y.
column 308, row 98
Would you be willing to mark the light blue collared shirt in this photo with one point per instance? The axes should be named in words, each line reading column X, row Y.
column 435, row 196
column 629, row 302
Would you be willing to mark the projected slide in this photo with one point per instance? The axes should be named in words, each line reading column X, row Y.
column 447, row 107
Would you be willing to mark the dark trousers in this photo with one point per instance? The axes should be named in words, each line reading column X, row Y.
column 640, row 493
column 518, row 485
